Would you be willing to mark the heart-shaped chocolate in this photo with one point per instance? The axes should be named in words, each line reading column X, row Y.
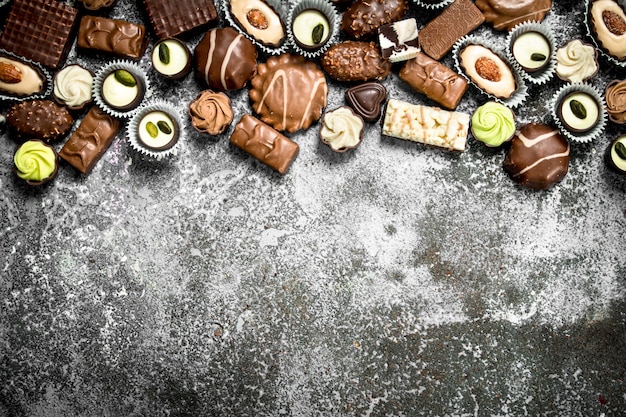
column 367, row 99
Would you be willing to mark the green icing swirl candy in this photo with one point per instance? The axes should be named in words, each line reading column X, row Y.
column 35, row 161
column 493, row 124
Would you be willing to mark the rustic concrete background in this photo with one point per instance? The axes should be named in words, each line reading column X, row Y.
column 393, row 280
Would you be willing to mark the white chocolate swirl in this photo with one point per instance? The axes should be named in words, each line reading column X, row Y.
column 576, row 61
column 341, row 129
column 72, row 85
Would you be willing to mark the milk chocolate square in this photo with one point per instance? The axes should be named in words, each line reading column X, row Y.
column 264, row 143
column 40, row 30
column 170, row 18
column 90, row 140
column 457, row 20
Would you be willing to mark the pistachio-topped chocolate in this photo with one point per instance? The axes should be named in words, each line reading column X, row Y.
column 157, row 131
column 310, row 28
column 579, row 112
column 122, row 90
column 532, row 51
column 615, row 155
column 171, row 58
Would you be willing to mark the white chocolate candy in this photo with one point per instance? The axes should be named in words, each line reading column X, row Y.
column 427, row 125
column 177, row 54
column 613, row 43
column 72, row 85
column 528, row 48
column 117, row 94
column 303, row 26
column 31, row 82
column 576, row 61
column 154, row 136
column 502, row 84
column 258, row 20
column 572, row 120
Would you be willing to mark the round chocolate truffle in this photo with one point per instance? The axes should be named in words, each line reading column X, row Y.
column 157, row 131
column 122, row 90
column 579, row 112
column 289, row 92
column 615, row 155
column 538, row 157
column 171, row 58
column 311, row 29
column 532, row 51
column 225, row 59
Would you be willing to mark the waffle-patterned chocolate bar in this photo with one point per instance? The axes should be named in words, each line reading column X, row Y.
column 40, row 30
column 427, row 125
column 170, row 18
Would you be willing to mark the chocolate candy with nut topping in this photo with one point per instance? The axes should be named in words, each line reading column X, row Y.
column 433, row 79
column 457, row 20
column 538, row 157
column 264, row 143
column 90, row 140
column 259, row 20
column 225, row 59
column 488, row 71
column 355, row 61
column 289, row 92
column 40, row 119
column 506, row 14
column 364, row 17
column 608, row 24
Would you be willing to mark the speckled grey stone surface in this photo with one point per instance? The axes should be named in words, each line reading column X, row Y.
column 392, row 280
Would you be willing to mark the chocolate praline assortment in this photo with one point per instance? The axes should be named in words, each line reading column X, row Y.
column 225, row 59
column 538, row 157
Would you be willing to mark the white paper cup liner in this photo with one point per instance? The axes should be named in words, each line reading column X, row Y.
column 268, row 50
column 597, row 130
column 433, row 6
column 331, row 14
column 133, row 125
column 47, row 87
column 132, row 67
column 545, row 74
column 517, row 98
column 595, row 41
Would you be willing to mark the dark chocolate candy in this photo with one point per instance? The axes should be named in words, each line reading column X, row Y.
column 456, row 21
column 40, row 30
column 90, row 140
column 225, row 59
column 40, row 119
column 538, row 157
column 506, row 14
column 264, row 143
column 367, row 100
column 355, row 61
column 118, row 37
column 289, row 92
column 364, row 17
column 433, row 79
column 171, row 18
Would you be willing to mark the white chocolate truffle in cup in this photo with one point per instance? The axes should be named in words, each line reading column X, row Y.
column 532, row 51
column 171, row 58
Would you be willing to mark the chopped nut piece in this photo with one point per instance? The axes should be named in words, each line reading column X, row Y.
column 257, row 19
column 488, row 69
column 614, row 22
column 9, row 73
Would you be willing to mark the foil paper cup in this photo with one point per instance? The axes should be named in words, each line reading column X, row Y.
column 332, row 16
column 545, row 74
column 277, row 7
column 594, row 132
column 433, row 5
column 519, row 95
column 133, row 68
column 133, row 126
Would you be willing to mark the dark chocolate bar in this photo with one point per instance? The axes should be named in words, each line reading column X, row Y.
column 171, row 18
column 118, row 37
column 264, row 143
column 433, row 79
column 40, row 30
column 90, row 140
column 441, row 33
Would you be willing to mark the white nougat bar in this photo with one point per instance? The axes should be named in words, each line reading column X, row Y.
column 427, row 125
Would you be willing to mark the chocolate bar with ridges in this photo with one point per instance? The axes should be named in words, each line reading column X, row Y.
column 118, row 37
column 264, row 143
column 40, row 30
column 440, row 34
column 171, row 18
column 90, row 140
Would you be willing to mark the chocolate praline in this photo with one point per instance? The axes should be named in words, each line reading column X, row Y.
column 615, row 155
column 122, row 90
column 367, row 100
column 157, row 131
column 532, row 51
column 259, row 20
column 171, row 58
column 311, row 29
column 579, row 112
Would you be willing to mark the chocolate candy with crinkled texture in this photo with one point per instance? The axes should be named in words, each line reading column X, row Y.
column 117, row 37
column 90, row 140
column 225, row 59
column 364, row 17
column 355, row 61
column 506, row 14
column 538, row 157
column 40, row 119
column 367, row 100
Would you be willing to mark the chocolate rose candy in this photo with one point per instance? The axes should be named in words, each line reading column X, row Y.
column 364, row 17
column 40, row 119
column 355, row 61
